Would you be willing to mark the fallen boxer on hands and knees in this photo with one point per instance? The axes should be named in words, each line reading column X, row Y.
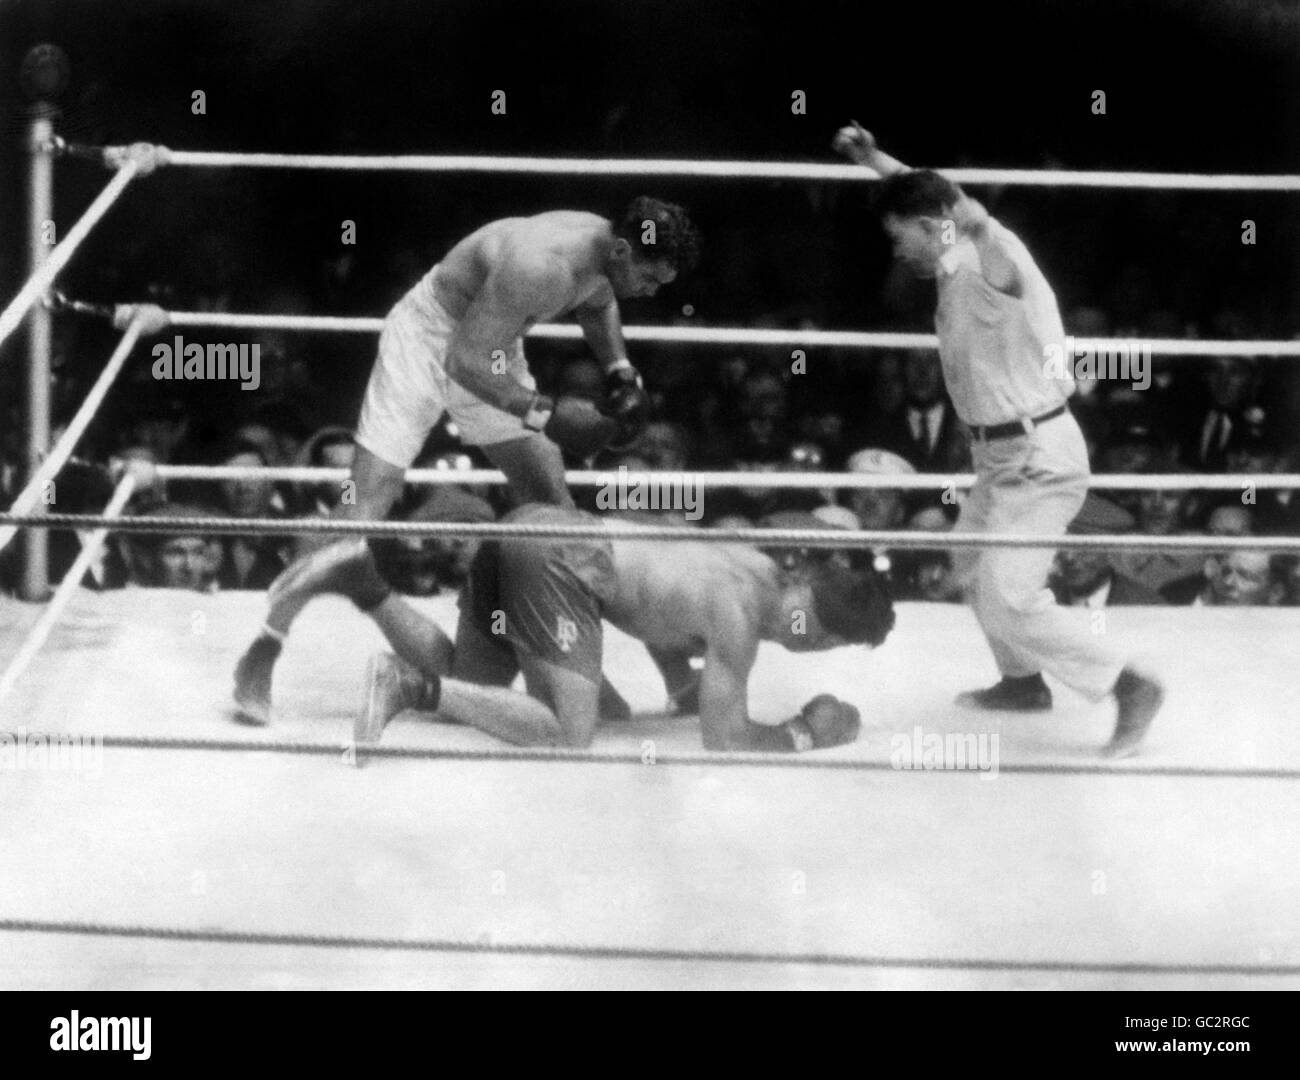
column 537, row 606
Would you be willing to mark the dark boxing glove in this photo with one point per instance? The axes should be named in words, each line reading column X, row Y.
column 573, row 423
column 627, row 403
column 824, row 722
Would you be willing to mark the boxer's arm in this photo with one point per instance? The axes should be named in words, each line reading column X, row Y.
column 602, row 326
column 724, row 692
column 481, row 342
column 680, row 679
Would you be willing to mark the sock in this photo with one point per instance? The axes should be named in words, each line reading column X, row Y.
column 267, row 644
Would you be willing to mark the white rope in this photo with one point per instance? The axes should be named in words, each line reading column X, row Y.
column 40, row 631
column 801, row 481
column 62, row 450
column 737, row 335
column 732, row 170
column 614, row 529
column 39, row 283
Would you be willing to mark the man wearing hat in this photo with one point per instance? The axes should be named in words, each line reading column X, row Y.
column 1004, row 354
column 878, row 507
column 1087, row 577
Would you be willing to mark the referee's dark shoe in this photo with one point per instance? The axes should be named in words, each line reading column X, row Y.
column 1025, row 694
column 1139, row 698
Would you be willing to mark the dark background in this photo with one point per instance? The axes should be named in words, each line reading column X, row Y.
column 1190, row 87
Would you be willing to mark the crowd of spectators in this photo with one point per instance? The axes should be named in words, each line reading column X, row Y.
column 751, row 410
column 738, row 412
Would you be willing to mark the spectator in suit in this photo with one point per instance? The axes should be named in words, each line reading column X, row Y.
column 924, row 430
column 1234, row 579
column 1230, row 386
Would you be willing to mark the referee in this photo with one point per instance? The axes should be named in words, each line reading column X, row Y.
column 997, row 320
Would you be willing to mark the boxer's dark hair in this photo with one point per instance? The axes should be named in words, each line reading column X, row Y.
column 921, row 192
column 676, row 239
column 854, row 604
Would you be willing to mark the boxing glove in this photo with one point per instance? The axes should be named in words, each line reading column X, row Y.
column 573, row 423
column 627, row 403
column 824, row 722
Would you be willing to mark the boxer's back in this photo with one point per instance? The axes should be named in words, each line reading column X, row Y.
column 671, row 598
column 567, row 236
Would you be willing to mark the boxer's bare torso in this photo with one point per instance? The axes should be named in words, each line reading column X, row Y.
column 510, row 274
column 682, row 599
column 567, row 247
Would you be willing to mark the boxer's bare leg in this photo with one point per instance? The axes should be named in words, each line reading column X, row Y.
column 416, row 639
column 534, row 469
column 377, row 485
column 527, row 719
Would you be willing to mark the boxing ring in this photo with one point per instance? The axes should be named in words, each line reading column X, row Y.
column 184, row 850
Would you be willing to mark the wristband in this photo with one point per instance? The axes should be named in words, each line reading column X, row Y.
column 618, row 365
column 539, row 412
column 801, row 736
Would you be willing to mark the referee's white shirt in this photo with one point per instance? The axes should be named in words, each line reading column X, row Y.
column 994, row 347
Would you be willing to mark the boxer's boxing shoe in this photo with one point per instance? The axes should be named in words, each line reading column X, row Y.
column 253, row 681
column 1139, row 698
column 1027, row 694
column 392, row 686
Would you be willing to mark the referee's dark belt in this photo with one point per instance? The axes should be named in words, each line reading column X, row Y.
column 1016, row 427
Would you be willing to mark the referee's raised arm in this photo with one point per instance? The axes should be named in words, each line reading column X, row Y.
column 858, row 145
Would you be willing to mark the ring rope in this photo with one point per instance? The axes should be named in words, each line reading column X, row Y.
column 802, row 538
column 801, row 481
column 355, row 753
column 730, row 170
column 699, row 335
column 58, row 456
column 623, row 952
column 58, row 257
column 40, row 631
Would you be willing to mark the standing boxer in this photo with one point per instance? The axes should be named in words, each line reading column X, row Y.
column 997, row 320
column 454, row 344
